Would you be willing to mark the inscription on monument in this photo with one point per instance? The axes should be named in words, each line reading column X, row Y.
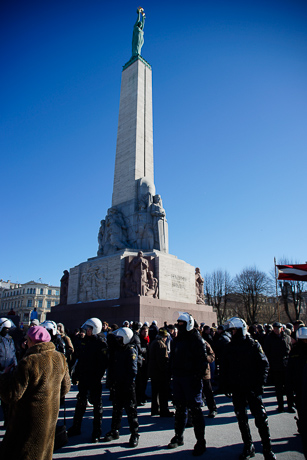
column 178, row 281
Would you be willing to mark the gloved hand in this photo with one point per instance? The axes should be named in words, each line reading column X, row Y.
column 229, row 395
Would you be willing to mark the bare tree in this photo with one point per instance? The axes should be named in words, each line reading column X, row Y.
column 217, row 287
column 251, row 287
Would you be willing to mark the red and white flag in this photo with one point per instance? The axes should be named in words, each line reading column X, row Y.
column 292, row 272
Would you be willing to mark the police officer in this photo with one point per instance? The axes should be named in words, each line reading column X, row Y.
column 296, row 380
column 122, row 371
column 7, row 355
column 244, row 370
column 92, row 361
column 188, row 361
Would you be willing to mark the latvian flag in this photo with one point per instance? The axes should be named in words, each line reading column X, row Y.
column 292, row 272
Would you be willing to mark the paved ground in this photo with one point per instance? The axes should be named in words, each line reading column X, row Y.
column 222, row 434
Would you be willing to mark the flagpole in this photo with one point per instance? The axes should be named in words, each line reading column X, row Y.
column 276, row 289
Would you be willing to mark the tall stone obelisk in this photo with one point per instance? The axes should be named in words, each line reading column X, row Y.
column 134, row 149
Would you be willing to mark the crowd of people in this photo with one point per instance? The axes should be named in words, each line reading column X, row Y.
column 187, row 363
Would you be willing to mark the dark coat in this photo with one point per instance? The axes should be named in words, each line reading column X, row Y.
column 33, row 391
column 158, row 363
column 92, row 355
column 297, row 365
column 188, row 355
column 123, row 366
column 244, row 366
column 277, row 349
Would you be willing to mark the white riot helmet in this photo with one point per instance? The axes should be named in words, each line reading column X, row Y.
column 188, row 319
column 301, row 333
column 236, row 323
column 126, row 333
column 94, row 323
column 146, row 324
column 4, row 322
column 50, row 326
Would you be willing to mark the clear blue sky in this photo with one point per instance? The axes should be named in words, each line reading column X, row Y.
column 230, row 129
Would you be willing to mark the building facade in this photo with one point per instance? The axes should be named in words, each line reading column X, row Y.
column 23, row 298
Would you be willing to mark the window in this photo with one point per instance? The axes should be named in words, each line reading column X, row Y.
column 48, row 303
column 49, row 291
column 29, row 303
column 34, row 291
column 57, row 292
column 42, row 291
column 40, row 304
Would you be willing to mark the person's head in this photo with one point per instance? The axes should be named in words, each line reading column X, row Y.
column 220, row 329
column 237, row 326
column 185, row 322
column 140, row 253
column 163, row 333
column 123, row 335
column 92, row 326
column 206, row 329
column 136, row 326
column 297, row 324
column 50, row 326
column 144, row 331
column 301, row 334
column 105, row 326
column 34, row 322
column 82, row 333
column 126, row 323
column 60, row 328
column 268, row 328
column 113, row 327
column 5, row 326
column 154, row 323
column 277, row 328
column 37, row 334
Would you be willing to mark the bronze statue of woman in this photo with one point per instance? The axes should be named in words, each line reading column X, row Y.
column 138, row 34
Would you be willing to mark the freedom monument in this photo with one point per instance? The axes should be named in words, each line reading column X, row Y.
column 133, row 275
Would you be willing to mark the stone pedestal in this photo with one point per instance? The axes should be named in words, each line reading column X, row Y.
column 132, row 309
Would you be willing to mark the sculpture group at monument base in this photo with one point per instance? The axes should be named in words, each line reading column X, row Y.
column 106, row 277
column 132, row 309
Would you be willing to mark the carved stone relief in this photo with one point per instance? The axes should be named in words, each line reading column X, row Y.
column 92, row 284
column 139, row 277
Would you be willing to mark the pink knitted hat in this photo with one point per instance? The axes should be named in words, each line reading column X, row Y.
column 38, row 334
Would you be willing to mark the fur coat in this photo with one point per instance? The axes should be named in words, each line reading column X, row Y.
column 33, row 391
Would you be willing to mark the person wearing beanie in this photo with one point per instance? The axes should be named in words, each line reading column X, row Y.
column 33, row 389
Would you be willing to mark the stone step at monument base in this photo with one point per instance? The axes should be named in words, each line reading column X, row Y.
column 132, row 309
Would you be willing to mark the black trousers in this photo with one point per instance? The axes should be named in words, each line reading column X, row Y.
column 208, row 395
column 124, row 398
